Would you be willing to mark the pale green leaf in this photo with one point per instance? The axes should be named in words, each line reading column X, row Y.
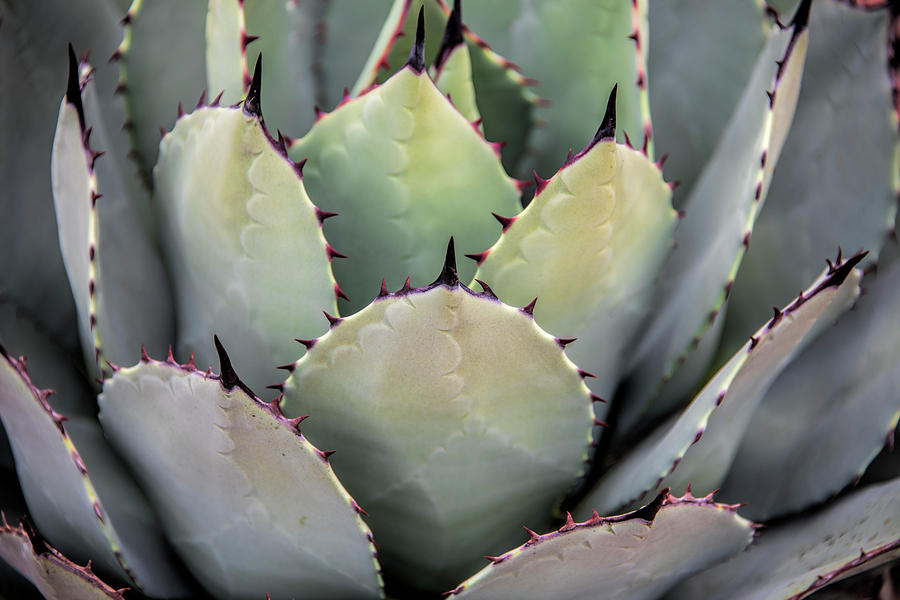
column 576, row 50
column 697, row 447
column 113, row 269
column 78, row 493
column 243, row 242
column 835, row 185
column 256, row 509
column 454, row 78
column 226, row 61
column 444, row 404
column 635, row 556
column 405, row 171
column 711, row 239
column 844, row 387
column 589, row 246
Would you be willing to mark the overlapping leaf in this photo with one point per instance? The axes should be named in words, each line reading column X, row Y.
column 696, row 447
column 443, row 404
column 242, row 240
column 256, row 509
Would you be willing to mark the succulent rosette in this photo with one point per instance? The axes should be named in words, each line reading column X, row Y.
column 239, row 358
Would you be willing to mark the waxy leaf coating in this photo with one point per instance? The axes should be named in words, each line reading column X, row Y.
column 250, row 506
column 242, row 240
column 443, row 404
column 635, row 556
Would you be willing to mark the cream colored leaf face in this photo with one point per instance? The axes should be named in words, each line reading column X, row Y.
column 443, row 404
column 243, row 242
column 246, row 501
column 588, row 247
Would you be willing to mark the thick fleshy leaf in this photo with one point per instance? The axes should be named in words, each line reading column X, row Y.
column 405, row 171
column 501, row 91
column 784, row 445
column 701, row 57
column 57, row 577
column 33, row 34
column 634, row 556
column 837, row 185
column 257, row 509
column 162, row 64
column 713, row 236
column 79, row 494
column 113, row 269
column 696, row 448
column 444, row 404
column 243, row 242
column 576, row 50
column 589, row 246
column 793, row 560
column 226, row 59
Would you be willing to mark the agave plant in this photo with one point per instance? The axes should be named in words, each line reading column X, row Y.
column 551, row 419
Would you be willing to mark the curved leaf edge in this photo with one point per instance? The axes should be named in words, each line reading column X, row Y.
column 56, row 559
column 646, row 513
column 228, row 379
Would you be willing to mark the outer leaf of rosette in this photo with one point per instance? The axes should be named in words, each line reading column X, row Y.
column 783, row 445
column 837, row 185
column 794, row 559
column 589, row 246
column 405, row 171
column 243, row 241
column 501, row 91
column 79, row 494
column 713, row 237
column 162, row 63
column 634, row 556
column 445, row 405
column 114, row 271
column 54, row 575
column 286, row 33
column 576, row 50
column 32, row 59
column 700, row 50
column 256, row 509
column 695, row 449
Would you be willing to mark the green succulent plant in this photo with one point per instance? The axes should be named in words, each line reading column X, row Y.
column 602, row 367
